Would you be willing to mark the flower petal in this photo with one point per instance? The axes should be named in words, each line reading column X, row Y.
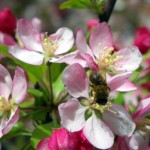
column 118, row 80
column 127, row 86
column 76, row 81
column 7, row 124
column 69, row 58
column 65, row 39
column 72, row 115
column 29, row 35
column 100, row 38
column 143, row 108
column 98, row 133
column 43, row 144
column 131, row 59
column 120, row 121
column 26, row 56
column 5, row 82
column 19, row 90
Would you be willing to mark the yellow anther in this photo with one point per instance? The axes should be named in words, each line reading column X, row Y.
column 4, row 105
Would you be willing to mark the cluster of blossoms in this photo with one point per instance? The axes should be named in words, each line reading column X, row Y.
column 89, row 117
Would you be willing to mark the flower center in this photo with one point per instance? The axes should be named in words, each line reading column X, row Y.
column 49, row 46
column 107, row 59
column 4, row 105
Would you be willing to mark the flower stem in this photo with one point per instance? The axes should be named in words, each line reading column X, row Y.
column 107, row 13
column 50, row 81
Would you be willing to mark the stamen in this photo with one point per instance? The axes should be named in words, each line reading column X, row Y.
column 4, row 105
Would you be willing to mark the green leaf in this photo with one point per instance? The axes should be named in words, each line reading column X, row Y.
column 135, row 74
column 17, row 130
column 42, row 131
column 35, row 92
column 75, row 4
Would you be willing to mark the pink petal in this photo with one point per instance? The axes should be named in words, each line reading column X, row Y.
column 65, row 39
column 143, row 108
column 5, row 82
column 100, row 38
column 98, row 133
column 85, row 51
column 6, row 40
column 131, row 59
column 76, row 81
column 120, row 121
column 7, row 124
column 82, row 45
column 69, row 58
column 26, row 56
column 118, row 80
column 29, row 35
column 43, row 144
column 19, row 90
column 127, row 86
column 72, row 115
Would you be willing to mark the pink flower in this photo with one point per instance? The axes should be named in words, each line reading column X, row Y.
column 100, row 55
column 11, row 94
column 7, row 21
column 63, row 139
column 91, row 24
column 36, row 49
column 142, row 39
column 140, row 138
column 104, row 118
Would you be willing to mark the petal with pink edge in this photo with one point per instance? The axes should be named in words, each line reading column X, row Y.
column 5, row 82
column 143, row 108
column 29, row 35
column 7, row 124
column 70, row 58
column 19, row 90
column 43, row 144
column 127, row 86
column 119, row 120
column 65, row 39
column 26, row 56
column 82, row 45
column 76, row 81
column 72, row 115
column 130, row 61
column 98, row 133
column 100, row 38
column 118, row 80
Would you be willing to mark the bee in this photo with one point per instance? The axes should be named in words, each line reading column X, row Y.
column 100, row 90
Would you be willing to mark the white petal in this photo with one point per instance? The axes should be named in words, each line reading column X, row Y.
column 65, row 39
column 72, row 115
column 29, row 35
column 131, row 59
column 120, row 121
column 26, row 56
column 98, row 133
column 5, row 82
column 19, row 90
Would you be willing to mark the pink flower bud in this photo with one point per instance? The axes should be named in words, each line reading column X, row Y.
column 62, row 139
column 7, row 21
column 142, row 39
column 91, row 24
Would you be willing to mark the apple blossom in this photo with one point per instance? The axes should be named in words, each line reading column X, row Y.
column 12, row 92
column 91, row 24
column 100, row 55
column 140, row 138
column 104, row 118
column 36, row 48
